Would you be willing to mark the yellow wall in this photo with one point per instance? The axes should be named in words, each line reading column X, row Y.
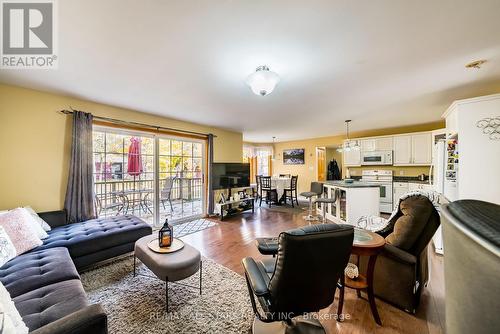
column 307, row 171
column 36, row 140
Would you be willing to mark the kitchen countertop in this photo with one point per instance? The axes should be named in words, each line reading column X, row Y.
column 412, row 181
column 355, row 184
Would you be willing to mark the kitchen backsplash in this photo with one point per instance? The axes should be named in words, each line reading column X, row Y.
column 397, row 171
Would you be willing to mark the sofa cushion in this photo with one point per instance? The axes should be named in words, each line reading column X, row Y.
column 97, row 234
column 49, row 303
column 7, row 249
column 415, row 211
column 34, row 270
column 10, row 319
column 21, row 233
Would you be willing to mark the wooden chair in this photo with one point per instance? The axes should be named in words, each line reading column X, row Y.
column 266, row 187
column 257, row 194
column 291, row 192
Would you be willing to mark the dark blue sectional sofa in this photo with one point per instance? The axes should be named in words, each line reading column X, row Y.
column 44, row 283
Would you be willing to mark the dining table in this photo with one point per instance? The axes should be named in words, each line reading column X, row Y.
column 135, row 197
column 280, row 184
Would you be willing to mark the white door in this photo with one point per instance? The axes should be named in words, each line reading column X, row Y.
column 421, row 149
column 402, row 150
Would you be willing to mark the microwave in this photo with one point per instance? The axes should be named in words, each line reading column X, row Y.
column 376, row 158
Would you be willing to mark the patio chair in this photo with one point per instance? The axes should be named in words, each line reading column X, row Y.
column 166, row 192
column 114, row 203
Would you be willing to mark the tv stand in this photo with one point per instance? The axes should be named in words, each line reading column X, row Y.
column 232, row 208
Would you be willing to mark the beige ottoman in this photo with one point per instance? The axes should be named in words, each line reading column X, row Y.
column 169, row 267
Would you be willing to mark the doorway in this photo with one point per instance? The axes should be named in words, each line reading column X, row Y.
column 321, row 164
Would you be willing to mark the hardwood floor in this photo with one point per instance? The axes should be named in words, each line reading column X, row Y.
column 231, row 240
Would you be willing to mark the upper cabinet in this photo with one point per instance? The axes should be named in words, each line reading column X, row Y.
column 402, row 150
column 413, row 149
column 421, row 148
column 376, row 144
column 352, row 158
column 409, row 149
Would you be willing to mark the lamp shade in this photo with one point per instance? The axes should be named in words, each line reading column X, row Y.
column 262, row 81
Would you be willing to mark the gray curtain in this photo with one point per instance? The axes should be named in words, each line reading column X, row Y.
column 210, row 196
column 79, row 202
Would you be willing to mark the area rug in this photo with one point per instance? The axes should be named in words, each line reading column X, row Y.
column 287, row 208
column 192, row 226
column 137, row 304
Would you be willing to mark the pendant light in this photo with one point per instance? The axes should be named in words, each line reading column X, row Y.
column 262, row 81
column 273, row 157
column 347, row 145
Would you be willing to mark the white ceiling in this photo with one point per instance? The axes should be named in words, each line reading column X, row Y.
column 380, row 63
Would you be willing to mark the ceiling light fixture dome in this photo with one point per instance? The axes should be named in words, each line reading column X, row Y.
column 262, row 81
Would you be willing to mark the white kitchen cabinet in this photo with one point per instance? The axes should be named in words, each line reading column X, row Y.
column 352, row 157
column 419, row 186
column 421, row 148
column 367, row 145
column 398, row 190
column 384, row 144
column 376, row 144
column 402, row 150
column 413, row 149
column 477, row 175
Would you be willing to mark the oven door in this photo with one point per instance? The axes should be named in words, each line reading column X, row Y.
column 386, row 193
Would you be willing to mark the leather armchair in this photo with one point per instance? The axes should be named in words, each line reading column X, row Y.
column 301, row 279
column 401, row 271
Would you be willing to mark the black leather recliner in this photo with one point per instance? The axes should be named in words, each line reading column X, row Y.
column 300, row 280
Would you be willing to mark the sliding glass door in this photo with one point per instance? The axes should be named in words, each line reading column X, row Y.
column 181, row 190
column 150, row 176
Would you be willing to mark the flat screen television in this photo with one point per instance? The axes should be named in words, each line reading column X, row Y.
column 230, row 175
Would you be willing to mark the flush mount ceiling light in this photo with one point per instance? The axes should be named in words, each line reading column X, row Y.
column 262, row 81
column 476, row 64
column 348, row 145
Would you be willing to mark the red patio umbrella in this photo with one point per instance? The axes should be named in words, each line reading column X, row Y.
column 134, row 157
column 134, row 167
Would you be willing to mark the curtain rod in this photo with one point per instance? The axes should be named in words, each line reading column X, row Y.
column 118, row 121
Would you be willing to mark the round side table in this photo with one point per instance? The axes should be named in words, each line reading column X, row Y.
column 370, row 244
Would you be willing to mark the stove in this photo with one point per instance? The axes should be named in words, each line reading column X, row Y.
column 383, row 178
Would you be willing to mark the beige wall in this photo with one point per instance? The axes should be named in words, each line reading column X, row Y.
column 307, row 172
column 35, row 141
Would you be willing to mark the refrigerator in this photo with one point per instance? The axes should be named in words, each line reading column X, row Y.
column 437, row 176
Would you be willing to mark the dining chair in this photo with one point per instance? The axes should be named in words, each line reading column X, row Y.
column 258, row 191
column 266, row 187
column 291, row 192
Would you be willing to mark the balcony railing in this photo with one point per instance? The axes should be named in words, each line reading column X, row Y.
column 115, row 197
